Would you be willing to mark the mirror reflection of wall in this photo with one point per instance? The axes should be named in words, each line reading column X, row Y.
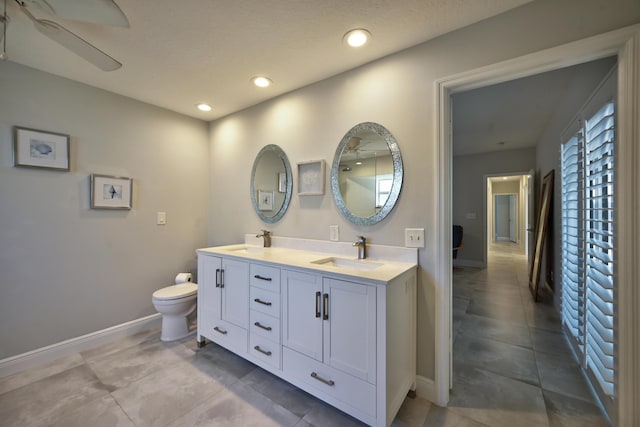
column 266, row 179
column 365, row 187
column 271, row 183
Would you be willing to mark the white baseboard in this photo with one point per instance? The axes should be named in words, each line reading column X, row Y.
column 40, row 356
column 426, row 388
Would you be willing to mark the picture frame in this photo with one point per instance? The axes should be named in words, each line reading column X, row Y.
column 282, row 182
column 33, row 148
column 546, row 199
column 265, row 200
column 111, row 192
column 311, row 178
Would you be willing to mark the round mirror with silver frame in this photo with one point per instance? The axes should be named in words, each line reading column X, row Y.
column 271, row 183
column 366, row 174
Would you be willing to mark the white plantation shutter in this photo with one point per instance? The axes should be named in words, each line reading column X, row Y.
column 599, row 138
column 588, row 245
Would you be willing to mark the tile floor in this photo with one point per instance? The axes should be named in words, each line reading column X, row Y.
column 511, row 368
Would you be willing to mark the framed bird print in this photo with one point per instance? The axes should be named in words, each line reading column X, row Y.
column 111, row 192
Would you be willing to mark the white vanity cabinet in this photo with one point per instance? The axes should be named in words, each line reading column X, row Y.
column 346, row 338
column 223, row 302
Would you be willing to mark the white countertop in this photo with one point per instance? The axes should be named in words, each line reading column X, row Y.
column 372, row 269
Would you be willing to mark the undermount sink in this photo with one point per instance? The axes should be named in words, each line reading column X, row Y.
column 248, row 249
column 354, row 264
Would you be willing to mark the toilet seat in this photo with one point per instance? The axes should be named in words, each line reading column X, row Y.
column 183, row 290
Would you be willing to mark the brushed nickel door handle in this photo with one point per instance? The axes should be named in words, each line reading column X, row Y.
column 322, row 380
column 318, row 304
column 259, row 301
column 268, row 279
column 265, row 352
column 222, row 331
column 260, row 325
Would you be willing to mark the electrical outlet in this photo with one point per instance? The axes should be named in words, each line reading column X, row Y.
column 414, row 237
column 161, row 218
column 334, row 233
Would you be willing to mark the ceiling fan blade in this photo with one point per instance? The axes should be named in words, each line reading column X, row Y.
column 105, row 12
column 74, row 43
column 43, row 5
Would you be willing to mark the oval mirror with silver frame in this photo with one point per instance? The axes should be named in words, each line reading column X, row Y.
column 271, row 183
column 366, row 174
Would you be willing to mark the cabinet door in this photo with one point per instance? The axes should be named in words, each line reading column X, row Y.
column 350, row 330
column 208, row 287
column 302, row 313
column 235, row 292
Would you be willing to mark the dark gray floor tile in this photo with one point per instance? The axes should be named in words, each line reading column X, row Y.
column 48, row 400
column 104, row 350
column 102, row 412
column 167, row 394
column 499, row 311
column 496, row 400
column 21, row 379
column 323, row 415
column 122, row 367
column 444, row 417
column 545, row 341
column 499, row 330
column 562, row 374
column 281, row 392
column 500, row 358
column 412, row 413
column 565, row 411
column 226, row 360
column 239, row 405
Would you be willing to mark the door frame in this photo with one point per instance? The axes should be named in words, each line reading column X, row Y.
column 625, row 43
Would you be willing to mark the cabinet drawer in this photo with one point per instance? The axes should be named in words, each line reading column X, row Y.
column 265, row 277
column 353, row 391
column 264, row 301
column 265, row 350
column 226, row 334
column 264, row 325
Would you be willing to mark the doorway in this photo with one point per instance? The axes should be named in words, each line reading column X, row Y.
column 623, row 43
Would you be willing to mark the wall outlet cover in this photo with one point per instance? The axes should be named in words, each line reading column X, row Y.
column 334, row 233
column 161, row 218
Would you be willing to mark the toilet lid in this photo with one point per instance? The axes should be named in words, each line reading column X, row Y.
column 176, row 291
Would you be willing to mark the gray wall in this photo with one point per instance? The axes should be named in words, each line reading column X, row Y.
column 469, row 193
column 398, row 92
column 67, row 270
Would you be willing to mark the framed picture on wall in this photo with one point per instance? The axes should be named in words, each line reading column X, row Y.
column 111, row 192
column 311, row 177
column 40, row 149
column 265, row 200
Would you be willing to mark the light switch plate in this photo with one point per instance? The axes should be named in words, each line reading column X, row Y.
column 414, row 237
column 334, row 233
column 161, row 218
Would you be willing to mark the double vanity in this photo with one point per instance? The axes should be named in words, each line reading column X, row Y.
column 341, row 328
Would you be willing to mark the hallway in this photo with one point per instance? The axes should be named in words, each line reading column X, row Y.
column 512, row 365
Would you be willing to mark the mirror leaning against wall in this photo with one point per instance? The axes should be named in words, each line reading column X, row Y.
column 271, row 183
column 366, row 174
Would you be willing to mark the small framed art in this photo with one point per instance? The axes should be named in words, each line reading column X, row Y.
column 40, row 149
column 111, row 192
column 265, row 200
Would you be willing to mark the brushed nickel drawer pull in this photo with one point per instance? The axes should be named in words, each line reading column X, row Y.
column 260, row 325
column 222, row 331
column 265, row 352
column 259, row 301
column 268, row 279
column 318, row 294
column 322, row 380
column 217, row 277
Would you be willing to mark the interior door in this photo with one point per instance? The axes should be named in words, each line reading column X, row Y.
column 513, row 211
column 531, row 215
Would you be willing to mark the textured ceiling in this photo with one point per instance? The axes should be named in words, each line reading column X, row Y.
column 178, row 53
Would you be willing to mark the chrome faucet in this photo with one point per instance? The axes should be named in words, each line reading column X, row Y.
column 266, row 235
column 361, row 243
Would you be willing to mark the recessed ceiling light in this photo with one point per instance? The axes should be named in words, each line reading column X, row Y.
column 203, row 107
column 261, row 81
column 357, row 37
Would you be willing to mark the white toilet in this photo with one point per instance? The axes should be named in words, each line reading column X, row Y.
column 175, row 303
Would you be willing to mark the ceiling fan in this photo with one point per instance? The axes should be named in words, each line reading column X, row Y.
column 104, row 12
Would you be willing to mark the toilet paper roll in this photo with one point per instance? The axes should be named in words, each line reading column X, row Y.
column 183, row 278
